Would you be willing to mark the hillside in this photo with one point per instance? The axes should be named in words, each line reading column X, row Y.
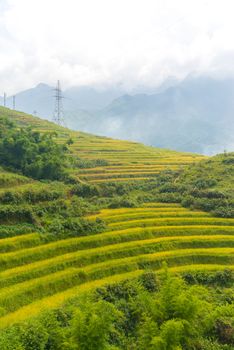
column 106, row 159
column 115, row 217
column 206, row 185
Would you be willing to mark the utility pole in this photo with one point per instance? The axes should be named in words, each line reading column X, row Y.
column 4, row 99
column 13, row 97
column 58, row 116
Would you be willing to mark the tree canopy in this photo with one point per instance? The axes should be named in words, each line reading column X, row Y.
column 33, row 154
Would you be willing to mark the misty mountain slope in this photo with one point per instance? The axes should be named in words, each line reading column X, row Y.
column 197, row 115
column 80, row 99
column 88, row 98
column 33, row 100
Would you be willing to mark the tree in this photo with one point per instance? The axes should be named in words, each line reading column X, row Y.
column 35, row 155
column 177, row 316
column 93, row 325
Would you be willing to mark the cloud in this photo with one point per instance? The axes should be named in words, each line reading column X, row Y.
column 107, row 42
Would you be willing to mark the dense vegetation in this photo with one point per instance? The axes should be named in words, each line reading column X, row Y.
column 33, row 154
column 150, row 313
column 208, row 185
column 77, row 236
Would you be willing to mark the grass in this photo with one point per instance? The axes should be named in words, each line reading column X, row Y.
column 149, row 214
column 171, row 221
column 19, row 242
column 8, row 179
column 46, row 251
column 109, row 252
column 21, row 294
column 60, row 298
column 7, row 231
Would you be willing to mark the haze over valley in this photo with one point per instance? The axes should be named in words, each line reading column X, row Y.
column 195, row 114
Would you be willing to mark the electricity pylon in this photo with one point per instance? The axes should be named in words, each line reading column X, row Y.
column 58, row 116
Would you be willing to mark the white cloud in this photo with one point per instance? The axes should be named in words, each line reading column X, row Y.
column 112, row 41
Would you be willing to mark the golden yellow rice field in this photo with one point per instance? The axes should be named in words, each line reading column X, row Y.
column 36, row 275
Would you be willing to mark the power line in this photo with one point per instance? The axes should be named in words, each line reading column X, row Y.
column 58, row 116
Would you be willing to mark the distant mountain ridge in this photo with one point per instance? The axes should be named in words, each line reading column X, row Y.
column 76, row 99
column 40, row 99
column 195, row 115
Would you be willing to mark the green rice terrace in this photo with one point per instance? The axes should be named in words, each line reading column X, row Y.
column 122, row 209
column 36, row 274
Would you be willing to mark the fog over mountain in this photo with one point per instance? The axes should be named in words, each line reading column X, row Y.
column 160, row 72
column 195, row 115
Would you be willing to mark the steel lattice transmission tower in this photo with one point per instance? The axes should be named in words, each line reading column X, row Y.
column 58, row 116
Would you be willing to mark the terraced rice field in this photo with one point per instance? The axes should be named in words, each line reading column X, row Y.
column 126, row 161
column 120, row 161
column 35, row 275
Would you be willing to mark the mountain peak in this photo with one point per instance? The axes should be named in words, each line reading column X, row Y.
column 42, row 86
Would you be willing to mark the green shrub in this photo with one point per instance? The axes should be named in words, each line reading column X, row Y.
column 86, row 164
column 85, row 190
column 221, row 278
column 123, row 202
column 15, row 213
column 149, row 281
column 224, row 212
column 29, row 196
column 73, row 227
column 35, row 155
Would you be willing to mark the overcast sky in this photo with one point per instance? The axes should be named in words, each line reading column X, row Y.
column 108, row 42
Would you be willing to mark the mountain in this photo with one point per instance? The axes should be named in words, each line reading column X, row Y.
column 88, row 98
column 34, row 101
column 40, row 99
column 194, row 115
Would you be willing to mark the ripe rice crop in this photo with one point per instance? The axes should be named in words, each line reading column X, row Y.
column 20, row 294
column 109, row 252
column 171, row 221
column 19, row 242
column 53, row 272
